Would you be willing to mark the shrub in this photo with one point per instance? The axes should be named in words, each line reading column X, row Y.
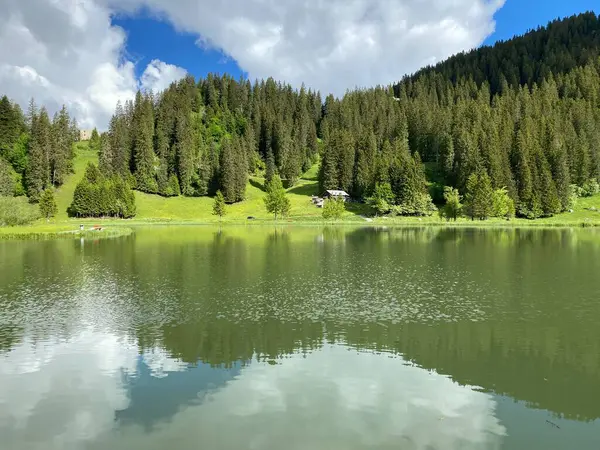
column 17, row 211
column 333, row 208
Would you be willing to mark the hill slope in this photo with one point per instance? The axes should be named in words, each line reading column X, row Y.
column 555, row 49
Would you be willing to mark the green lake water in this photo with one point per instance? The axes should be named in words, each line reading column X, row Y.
column 302, row 338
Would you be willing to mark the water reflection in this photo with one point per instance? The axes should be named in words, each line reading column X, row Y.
column 306, row 334
column 62, row 394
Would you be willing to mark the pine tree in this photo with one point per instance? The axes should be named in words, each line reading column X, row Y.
column 219, row 208
column 37, row 175
column 10, row 126
column 95, row 143
column 276, row 200
column 143, row 148
column 61, row 151
column 270, row 168
column 7, row 180
column 227, row 175
column 479, row 196
column 185, row 153
column 47, row 204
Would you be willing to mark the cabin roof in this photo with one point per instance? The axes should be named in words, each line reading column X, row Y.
column 337, row 193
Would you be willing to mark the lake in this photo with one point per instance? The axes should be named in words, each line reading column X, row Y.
column 302, row 338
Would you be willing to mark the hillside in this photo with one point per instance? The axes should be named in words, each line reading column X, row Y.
column 557, row 48
column 152, row 207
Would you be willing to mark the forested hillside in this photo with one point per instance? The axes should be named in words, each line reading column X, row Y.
column 509, row 129
column 555, row 49
column 35, row 152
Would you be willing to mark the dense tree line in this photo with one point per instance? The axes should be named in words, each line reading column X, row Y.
column 36, row 152
column 199, row 137
column 556, row 49
column 539, row 143
column 97, row 195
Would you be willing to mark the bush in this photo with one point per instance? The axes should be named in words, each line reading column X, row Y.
column 503, row 205
column 333, row 208
column 590, row 188
column 453, row 207
column 17, row 211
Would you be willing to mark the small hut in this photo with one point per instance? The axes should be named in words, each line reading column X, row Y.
column 335, row 194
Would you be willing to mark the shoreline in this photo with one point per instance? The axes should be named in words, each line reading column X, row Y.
column 124, row 227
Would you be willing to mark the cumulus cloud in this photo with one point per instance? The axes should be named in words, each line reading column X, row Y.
column 159, row 75
column 65, row 51
column 68, row 52
column 331, row 45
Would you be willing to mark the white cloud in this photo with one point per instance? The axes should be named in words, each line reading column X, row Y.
column 67, row 52
column 331, row 45
column 159, row 75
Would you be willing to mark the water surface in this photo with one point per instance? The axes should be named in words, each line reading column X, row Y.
column 302, row 338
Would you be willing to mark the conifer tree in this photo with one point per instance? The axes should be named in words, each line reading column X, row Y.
column 38, row 170
column 47, row 204
column 276, row 200
column 227, row 175
column 185, row 153
column 479, row 196
column 143, row 148
column 61, row 150
column 219, row 208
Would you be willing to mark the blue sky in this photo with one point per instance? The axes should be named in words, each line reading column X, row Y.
column 151, row 38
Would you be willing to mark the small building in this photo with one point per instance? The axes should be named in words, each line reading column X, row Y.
column 333, row 193
column 85, row 135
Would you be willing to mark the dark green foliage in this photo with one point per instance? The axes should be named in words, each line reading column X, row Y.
column 270, row 167
column 11, row 125
column 143, row 160
column 479, row 196
column 276, row 200
column 7, row 180
column 333, row 208
column 99, row 196
column 219, row 208
column 555, row 49
column 37, row 174
column 47, row 204
column 61, row 157
column 172, row 189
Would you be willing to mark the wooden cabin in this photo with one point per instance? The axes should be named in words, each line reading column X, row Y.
column 333, row 193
